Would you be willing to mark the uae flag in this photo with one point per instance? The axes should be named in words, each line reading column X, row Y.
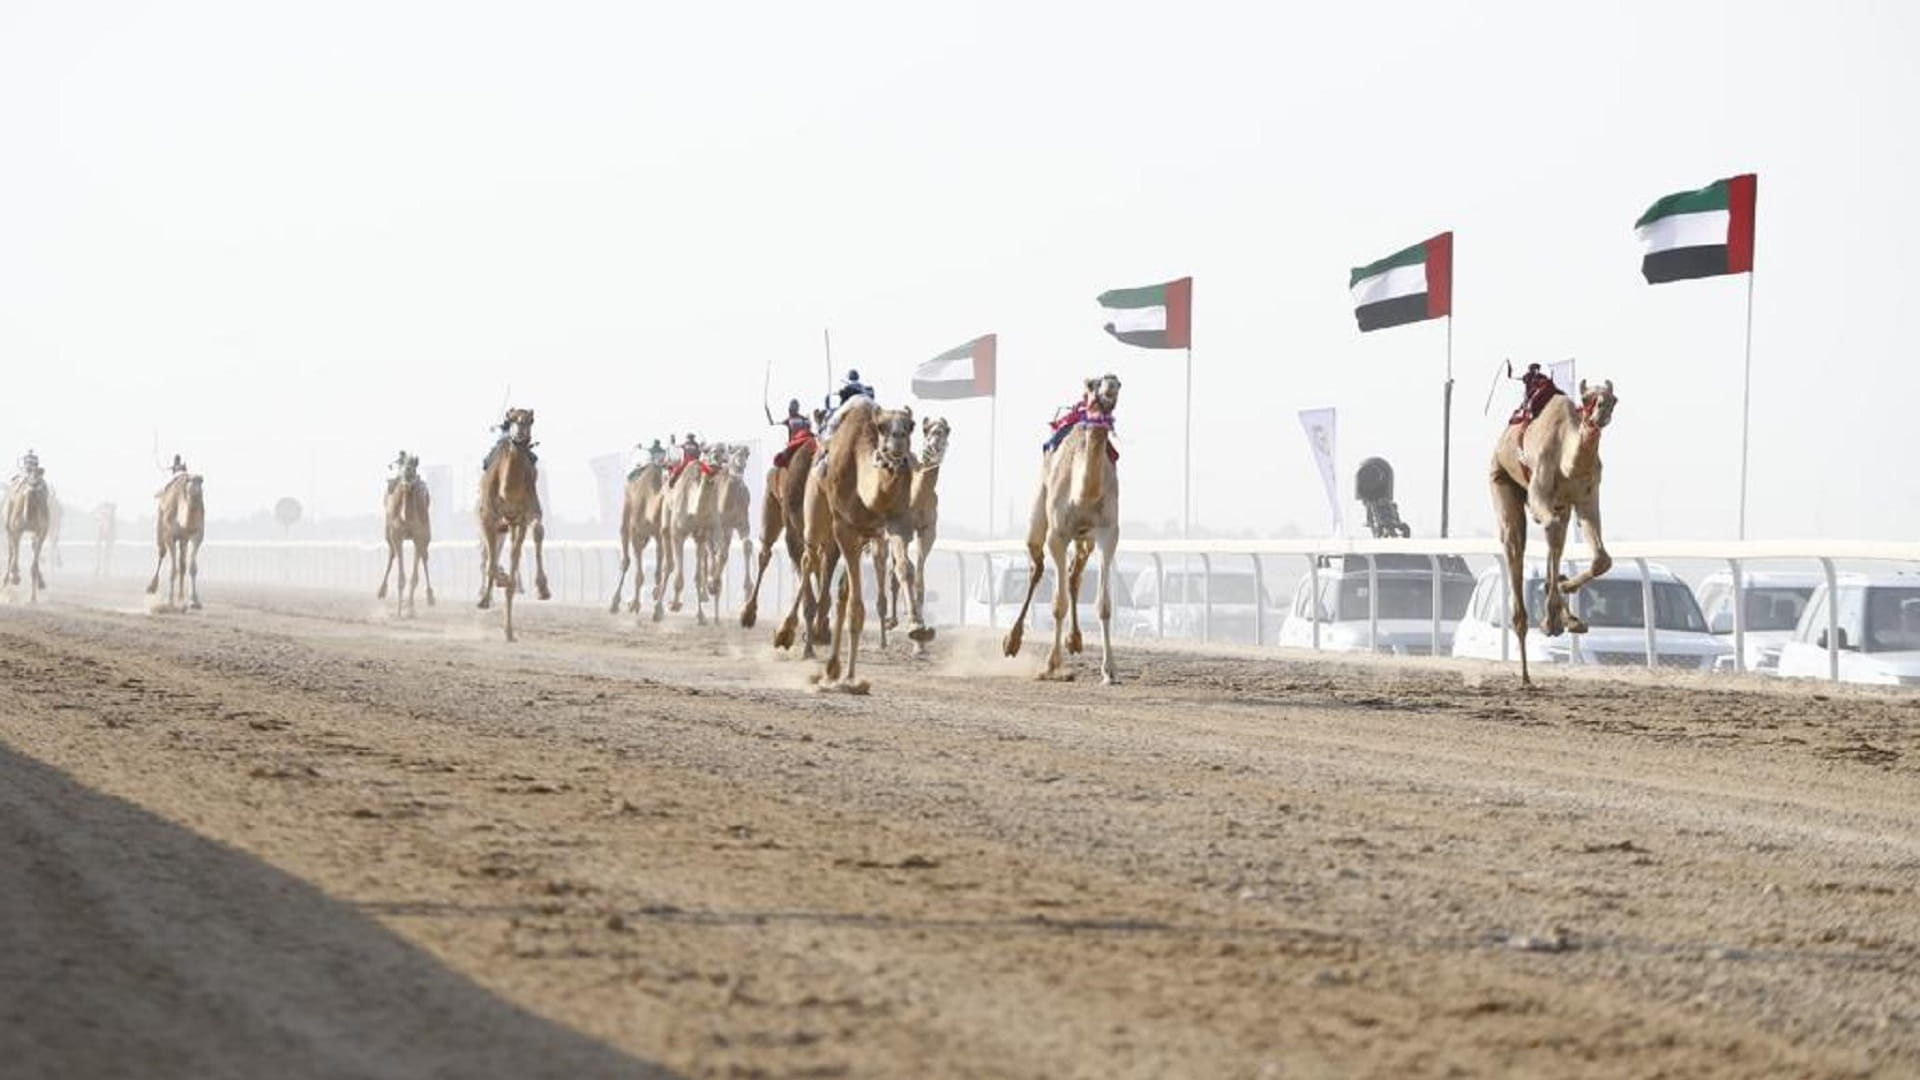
column 1704, row 233
column 1406, row 286
column 1152, row 316
column 965, row 372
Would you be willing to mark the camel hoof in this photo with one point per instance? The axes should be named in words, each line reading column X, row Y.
column 890, row 623
column 382, row 594
column 501, row 580
column 152, row 588
column 699, row 618
column 674, row 607
column 485, row 603
column 749, row 617
column 920, row 635
column 429, row 597
column 1568, row 588
column 1011, row 643
column 833, row 669
column 783, row 637
column 614, row 608
column 1055, row 675
column 1074, row 643
column 658, row 615
column 1108, row 678
column 543, row 593
column 1575, row 626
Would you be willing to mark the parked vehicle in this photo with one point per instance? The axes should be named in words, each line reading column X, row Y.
column 1879, row 631
column 1614, row 609
column 1405, row 607
column 1235, row 593
column 994, row 597
column 1771, row 604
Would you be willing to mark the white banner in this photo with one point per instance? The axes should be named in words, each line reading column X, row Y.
column 1562, row 373
column 609, row 482
column 1320, row 426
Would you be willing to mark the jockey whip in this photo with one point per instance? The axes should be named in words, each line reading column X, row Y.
column 1484, row 409
column 766, row 387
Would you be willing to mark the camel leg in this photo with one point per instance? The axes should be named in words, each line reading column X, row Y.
column 750, row 608
column 1062, row 602
column 1589, row 511
column 747, row 585
column 677, row 544
column 1082, row 551
column 848, row 584
column 639, row 575
column 539, row 561
column 192, row 544
column 393, row 553
column 880, row 575
column 702, row 557
column 13, row 558
column 802, row 587
column 397, row 553
column 1036, row 566
column 1558, row 615
column 620, row 586
column 420, row 570
column 160, row 561
column 907, row 584
column 923, row 545
column 822, row 611
column 35, row 582
column 517, row 538
column 662, row 562
column 1109, row 538
column 490, row 566
column 1510, row 506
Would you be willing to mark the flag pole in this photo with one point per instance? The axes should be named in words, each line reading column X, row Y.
column 1186, row 513
column 993, row 438
column 1746, row 408
column 826, row 336
column 1446, row 436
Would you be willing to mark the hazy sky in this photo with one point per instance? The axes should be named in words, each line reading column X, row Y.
column 293, row 238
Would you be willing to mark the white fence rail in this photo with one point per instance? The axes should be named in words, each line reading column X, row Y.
column 583, row 572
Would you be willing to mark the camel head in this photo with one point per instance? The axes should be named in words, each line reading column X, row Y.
column 933, row 441
column 893, row 439
column 737, row 459
column 520, row 426
column 1103, row 395
column 1596, row 403
column 411, row 471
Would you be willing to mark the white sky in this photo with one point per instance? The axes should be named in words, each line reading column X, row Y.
column 294, row 238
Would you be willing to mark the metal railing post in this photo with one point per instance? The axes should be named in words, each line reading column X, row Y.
column 961, row 558
column 1206, row 597
column 1506, row 622
column 1159, row 597
column 1313, row 586
column 1433, row 639
column 1647, row 619
column 1833, row 620
column 1739, row 617
column 1373, row 604
column 1259, row 601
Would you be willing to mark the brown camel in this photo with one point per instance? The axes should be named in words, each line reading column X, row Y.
column 408, row 506
column 782, row 516
column 509, row 510
column 692, row 507
column 1549, row 468
column 1078, row 504
column 641, row 521
column 866, row 481
column 916, row 530
column 180, row 524
column 733, row 517
column 28, row 511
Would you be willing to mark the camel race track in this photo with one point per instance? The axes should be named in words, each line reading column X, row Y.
column 292, row 836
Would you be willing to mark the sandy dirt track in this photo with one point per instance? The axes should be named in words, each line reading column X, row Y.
column 291, row 836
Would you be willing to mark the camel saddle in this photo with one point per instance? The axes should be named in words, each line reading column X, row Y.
column 786, row 454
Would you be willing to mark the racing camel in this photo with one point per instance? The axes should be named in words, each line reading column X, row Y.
column 912, row 534
column 692, row 507
column 180, row 524
column 641, row 521
column 1077, row 506
column 782, row 516
column 864, row 484
column 733, row 517
column 28, row 510
column 408, row 507
column 1547, row 468
column 510, row 510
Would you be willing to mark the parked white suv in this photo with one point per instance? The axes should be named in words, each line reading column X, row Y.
column 1614, row 609
column 1405, row 607
column 1183, row 603
column 1879, row 642
column 1771, row 604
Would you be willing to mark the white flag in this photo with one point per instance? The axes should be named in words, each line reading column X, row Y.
column 1320, row 428
column 609, row 481
column 1562, row 374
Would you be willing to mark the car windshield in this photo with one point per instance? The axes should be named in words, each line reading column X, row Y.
column 1405, row 598
column 1013, row 587
column 1776, row 608
column 1893, row 620
column 1615, row 603
column 1192, row 588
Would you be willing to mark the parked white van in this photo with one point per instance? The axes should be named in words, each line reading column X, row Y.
column 1771, row 605
column 1405, row 607
column 1879, row 631
column 1614, row 609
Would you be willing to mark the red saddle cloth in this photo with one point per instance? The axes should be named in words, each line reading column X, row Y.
column 673, row 472
column 1064, row 425
column 803, row 438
